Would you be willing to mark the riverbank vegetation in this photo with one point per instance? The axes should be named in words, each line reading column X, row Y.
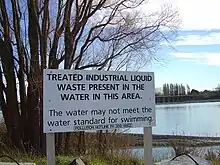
column 213, row 157
column 178, row 93
column 95, row 154
column 66, row 160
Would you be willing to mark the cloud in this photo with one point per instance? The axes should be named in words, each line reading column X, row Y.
column 193, row 39
column 195, row 14
column 205, row 58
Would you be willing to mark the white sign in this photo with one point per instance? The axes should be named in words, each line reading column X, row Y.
column 78, row 100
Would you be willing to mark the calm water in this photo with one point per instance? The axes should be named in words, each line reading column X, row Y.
column 201, row 119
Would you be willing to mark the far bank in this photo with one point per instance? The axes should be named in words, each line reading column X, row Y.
column 189, row 101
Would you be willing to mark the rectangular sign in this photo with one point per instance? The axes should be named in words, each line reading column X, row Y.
column 78, row 100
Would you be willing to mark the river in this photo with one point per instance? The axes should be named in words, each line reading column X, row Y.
column 199, row 119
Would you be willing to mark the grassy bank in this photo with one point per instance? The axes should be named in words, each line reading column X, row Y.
column 213, row 157
column 92, row 159
column 111, row 153
column 66, row 160
column 125, row 158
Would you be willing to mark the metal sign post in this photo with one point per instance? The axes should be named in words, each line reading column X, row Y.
column 148, row 159
column 50, row 142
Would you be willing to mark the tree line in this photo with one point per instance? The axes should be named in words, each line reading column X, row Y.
column 179, row 89
column 175, row 89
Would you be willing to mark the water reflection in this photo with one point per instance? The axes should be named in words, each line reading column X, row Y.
column 159, row 153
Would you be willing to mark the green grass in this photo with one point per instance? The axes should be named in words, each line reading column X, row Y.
column 215, row 162
column 65, row 160
column 60, row 160
column 213, row 157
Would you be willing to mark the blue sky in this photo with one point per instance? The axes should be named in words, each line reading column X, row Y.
column 196, row 57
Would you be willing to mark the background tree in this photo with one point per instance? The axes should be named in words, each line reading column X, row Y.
column 194, row 92
column 69, row 34
column 183, row 89
column 168, row 89
column 218, row 88
column 176, row 89
column 179, row 89
column 188, row 89
column 165, row 89
column 172, row 90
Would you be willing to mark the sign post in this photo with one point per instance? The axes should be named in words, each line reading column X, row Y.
column 50, row 142
column 82, row 100
column 148, row 159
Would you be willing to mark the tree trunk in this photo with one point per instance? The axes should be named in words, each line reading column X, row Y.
column 11, row 105
column 33, row 118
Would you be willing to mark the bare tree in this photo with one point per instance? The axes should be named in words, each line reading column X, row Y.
column 188, row 89
column 70, row 34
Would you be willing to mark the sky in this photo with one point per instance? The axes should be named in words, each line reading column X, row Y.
column 195, row 58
